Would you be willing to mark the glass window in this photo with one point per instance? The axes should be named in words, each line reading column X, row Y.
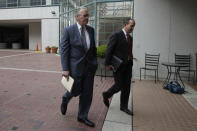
column 2, row 3
column 54, row 2
column 38, row 2
column 11, row 3
column 43, row 2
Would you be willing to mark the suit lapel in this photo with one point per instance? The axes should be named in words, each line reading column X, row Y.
column 123, row 37
column 76, row 30
column 89, row 33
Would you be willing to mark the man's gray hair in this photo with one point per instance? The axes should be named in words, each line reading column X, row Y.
column 79, row 9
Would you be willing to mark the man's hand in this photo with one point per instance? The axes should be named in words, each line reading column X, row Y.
column 66, row 74
column 109, row 67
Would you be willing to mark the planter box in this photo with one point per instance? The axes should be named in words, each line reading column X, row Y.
column 48, row 50
column 54, row 50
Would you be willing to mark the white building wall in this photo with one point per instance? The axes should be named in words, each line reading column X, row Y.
column 184, row 28
column 29, row 13
column 48, row 29
column 50, row 32
column 34, row 35
column 165, row 27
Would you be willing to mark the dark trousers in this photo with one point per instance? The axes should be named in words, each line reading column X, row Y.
column 122, row 83
column 84, row 85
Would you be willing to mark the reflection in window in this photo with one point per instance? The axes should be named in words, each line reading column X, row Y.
column 11, row 3
column 54, row 2
column 2, row 3
column 23, row 3
column 38, row 2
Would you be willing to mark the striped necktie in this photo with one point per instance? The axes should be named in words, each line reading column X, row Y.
column 83, row 37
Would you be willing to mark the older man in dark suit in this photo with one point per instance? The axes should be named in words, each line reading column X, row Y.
column 78, row 57
column 120, row 45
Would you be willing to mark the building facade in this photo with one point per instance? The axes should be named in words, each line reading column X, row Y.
column 162, row 26
column 28, row 23
column 166, row 27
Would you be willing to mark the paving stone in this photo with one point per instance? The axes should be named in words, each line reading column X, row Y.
column 156, row 109
column 31, row 99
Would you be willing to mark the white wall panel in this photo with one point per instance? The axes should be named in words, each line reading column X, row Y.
column 184, row 28
column 164, row 26
column 34, row 35
column 29, row 13
column 43, row 25
column 50, row 32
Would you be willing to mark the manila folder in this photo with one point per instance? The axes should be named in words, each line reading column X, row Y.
column 68, row 84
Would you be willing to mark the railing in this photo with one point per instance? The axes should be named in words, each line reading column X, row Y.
column 106, row 16
column 27, row 3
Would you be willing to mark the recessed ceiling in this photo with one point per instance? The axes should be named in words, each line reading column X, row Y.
column 18, row 22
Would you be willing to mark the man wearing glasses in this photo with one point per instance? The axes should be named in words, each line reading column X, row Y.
column 78, row 58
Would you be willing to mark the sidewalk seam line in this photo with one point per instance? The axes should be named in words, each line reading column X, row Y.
column 16, row 55
column 30, row 70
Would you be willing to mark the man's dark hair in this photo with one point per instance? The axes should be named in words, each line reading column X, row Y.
column 126, row 20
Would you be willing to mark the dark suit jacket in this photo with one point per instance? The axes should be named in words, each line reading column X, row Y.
column 74, row 58
column 117, row 46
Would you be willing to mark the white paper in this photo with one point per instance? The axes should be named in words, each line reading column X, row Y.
column 68, row 84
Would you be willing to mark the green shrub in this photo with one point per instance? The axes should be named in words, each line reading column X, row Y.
column 101, row 50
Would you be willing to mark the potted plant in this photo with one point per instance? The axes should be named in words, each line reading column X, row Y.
column 54, row 49
column 101, row 51
column 48, row 49
column 100, row 57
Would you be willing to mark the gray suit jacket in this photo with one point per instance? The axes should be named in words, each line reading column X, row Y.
column 74, row 58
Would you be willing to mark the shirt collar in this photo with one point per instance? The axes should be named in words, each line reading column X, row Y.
column 79, row 26
column 124, row 32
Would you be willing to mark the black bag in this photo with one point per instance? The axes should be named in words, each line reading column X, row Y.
column 174, row 87
column 116, row 62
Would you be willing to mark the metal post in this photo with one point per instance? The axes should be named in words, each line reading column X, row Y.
column 95, row 19
column 196, row 67
column 132, row 71
column 133, row 10
column 60, row 10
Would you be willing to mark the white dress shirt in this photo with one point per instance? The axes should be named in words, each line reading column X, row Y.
column 86, row 35
column 125, row 34
column 126, row 39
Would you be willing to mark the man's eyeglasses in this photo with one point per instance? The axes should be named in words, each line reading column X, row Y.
column 86, row 15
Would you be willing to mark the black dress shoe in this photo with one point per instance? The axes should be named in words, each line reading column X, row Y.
column 86, row 122
column 63, row 108
column 126, row 110
column 105, row 100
